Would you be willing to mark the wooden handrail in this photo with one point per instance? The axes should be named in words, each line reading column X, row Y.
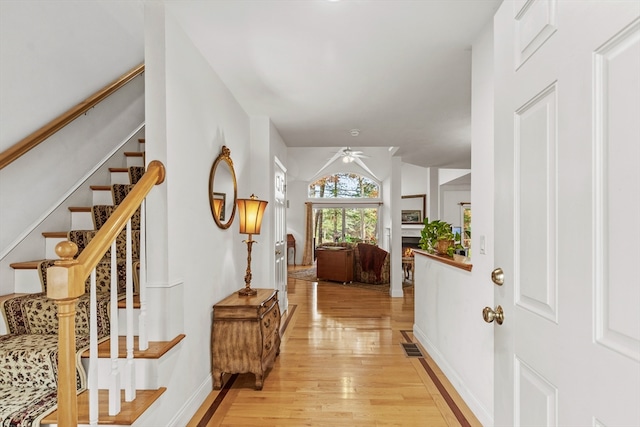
column 65, row 284
column 35, row 138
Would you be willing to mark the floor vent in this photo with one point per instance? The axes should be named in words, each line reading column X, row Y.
column 411, row 349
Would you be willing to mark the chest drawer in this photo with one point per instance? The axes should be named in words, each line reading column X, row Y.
column 245, row 335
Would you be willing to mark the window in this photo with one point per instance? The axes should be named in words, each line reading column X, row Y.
column 346, row 208
column 345, row 224
column 344, row 186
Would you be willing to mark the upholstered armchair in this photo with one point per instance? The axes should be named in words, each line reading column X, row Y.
column 371, row 264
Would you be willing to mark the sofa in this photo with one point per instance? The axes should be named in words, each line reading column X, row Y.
column 371, row 264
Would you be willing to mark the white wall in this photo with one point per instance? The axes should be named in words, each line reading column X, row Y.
column 54, row 54
column 266, row 144
column 451, row 197
column 415, row 180
column 199, row 266
column 448, row 300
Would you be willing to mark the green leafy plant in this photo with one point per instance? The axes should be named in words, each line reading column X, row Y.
column 435, row 231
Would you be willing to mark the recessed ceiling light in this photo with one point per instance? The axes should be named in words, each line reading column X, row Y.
column 355, row 132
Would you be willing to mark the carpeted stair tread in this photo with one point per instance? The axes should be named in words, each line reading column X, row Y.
column 103, row 276
column 135, row 173
column 32, row 360
column 23, row 406
column 127, row 416
column 82, row 238
column 101, row 214
column 120, row 191
column 37, row 314
column 156, row 349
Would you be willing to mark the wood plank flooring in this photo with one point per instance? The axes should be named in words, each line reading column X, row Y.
column 341, row 363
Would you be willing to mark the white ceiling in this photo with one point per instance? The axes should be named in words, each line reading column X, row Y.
column 399, row 71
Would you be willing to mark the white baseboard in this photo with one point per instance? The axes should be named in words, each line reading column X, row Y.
column 484, row 415
column 184, row 415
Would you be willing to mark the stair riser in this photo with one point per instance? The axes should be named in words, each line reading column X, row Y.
column 81, row 221
column 119, row 178
column 27, row 281
column 122, row 321
column 135, row 161
column 50, row 246
column 102, row 197
column 146, row 372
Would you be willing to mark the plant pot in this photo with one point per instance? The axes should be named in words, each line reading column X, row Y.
column 443, row 245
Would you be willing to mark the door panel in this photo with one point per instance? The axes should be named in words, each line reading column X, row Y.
column 280, row 233
column 617, row 153
column 567, row 194
column 535, row 171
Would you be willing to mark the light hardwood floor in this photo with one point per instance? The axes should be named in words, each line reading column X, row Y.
column 341, row 363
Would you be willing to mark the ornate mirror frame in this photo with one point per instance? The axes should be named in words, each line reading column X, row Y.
column 223, row 207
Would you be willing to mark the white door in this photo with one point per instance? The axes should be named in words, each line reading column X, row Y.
column 280, row 210
column 567, row 156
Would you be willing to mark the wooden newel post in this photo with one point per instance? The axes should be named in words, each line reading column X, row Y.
column 65, row 285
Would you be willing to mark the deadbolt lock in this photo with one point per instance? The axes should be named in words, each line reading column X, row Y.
column 497, row 276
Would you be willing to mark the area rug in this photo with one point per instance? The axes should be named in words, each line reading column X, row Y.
column 310, row 275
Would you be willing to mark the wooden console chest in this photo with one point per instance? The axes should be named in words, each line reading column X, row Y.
column 335, row 264
column 245, row 335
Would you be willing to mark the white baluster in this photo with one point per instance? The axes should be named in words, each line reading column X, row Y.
column 130, row 390
column 143, row 340
column 93, row 352
column 114, row 380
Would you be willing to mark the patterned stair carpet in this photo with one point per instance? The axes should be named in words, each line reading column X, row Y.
column 29, row 352
column 28, row 377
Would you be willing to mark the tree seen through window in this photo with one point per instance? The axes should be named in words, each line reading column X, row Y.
column 345, row 223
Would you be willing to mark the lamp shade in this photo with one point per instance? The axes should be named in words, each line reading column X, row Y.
column 250, row 212
column 217, row 206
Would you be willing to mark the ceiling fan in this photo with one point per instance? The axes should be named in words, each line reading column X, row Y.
column 349, row 155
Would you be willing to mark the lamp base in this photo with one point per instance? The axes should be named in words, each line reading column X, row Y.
column 247, row 292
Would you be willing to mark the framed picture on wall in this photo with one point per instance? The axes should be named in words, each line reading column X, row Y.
column 414, row 208
column 411, row 217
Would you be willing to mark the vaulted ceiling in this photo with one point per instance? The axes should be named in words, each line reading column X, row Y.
column 398, row 71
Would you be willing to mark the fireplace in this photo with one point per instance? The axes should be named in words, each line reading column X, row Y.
column 408, row 244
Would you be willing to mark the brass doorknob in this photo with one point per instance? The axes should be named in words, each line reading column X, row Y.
column 489, row 315
column 497, row 276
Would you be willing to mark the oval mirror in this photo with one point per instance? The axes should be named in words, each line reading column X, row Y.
column 223, row 189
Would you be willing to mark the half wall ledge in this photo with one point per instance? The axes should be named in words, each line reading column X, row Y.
column 444, row 259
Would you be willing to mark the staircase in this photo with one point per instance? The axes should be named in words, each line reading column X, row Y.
column 28, row 352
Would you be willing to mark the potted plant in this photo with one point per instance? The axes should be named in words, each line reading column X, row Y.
column 437, row 236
